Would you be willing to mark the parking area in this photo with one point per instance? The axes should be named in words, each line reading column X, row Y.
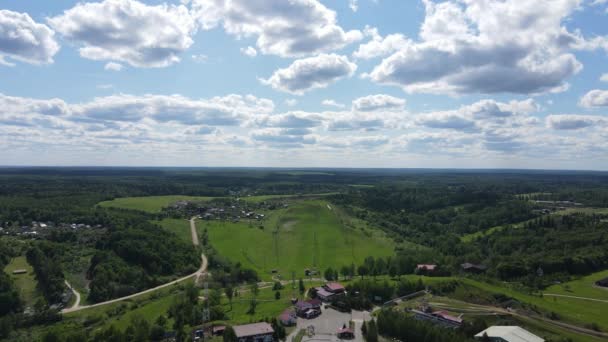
column 326, row 325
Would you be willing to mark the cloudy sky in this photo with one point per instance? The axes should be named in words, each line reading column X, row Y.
column 296, row 83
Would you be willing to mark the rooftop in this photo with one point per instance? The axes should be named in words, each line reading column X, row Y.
column 334, row 286
column 253, row 329
column 510, row 334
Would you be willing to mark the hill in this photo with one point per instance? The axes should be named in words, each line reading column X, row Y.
column 309, row 234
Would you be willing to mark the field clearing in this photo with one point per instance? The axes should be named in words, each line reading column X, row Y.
column 150, row 204
column 26, row 283
column 179, row 227
column 154, row 204
column 306, row 235
column 583, row 287
column 471, row 311
column 576, row 311
column 568, row 211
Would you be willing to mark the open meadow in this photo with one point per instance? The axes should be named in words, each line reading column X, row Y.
column 309, row 234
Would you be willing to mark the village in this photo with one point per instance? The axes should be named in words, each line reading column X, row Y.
column 42, row 229
column 320, row 317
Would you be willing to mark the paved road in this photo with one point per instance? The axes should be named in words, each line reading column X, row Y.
column 200, row 272
column 575, row 297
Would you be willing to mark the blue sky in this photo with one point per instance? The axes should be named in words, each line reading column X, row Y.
column 367, row 83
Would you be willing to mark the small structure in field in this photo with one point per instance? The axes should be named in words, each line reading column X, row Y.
column 602, row 282
column 472, row 268
column 20, row 271
column 425, row 268
column 499, row 333
column 255, row 332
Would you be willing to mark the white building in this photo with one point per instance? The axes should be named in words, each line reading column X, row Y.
column 509, row 334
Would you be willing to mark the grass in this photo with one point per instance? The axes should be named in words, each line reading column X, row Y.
column 471, row 311
column 580, row 312
column 179, row 227
column 154, row 204
column 26, row 283
column 567, row 211
column 150, row 204
column 308, row 234
column 582, row 287
column 267, row 305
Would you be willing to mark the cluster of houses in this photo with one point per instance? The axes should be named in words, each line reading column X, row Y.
column 467, row 267
column 234, row 211
column 36, row 228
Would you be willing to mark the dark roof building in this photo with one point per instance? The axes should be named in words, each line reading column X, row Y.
column 602, row 282
column 328, row 291
column 288, row 318
column 438, row 317
column 256, row 332
column 346, row 334
column 473, row 268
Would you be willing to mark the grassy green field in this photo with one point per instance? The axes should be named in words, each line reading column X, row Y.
column 26, row 283
column 154, row 204
column 583, row 287
column 179, row 227
column 576, row 311
column 482, row 233
column 568, row 211
column 151, row 204
column 471, row 311
column 308, row 234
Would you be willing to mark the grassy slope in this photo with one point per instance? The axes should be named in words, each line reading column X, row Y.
column 584, row 210
column 309, row 234
column 577, row 311
column 26, row 283
column 583, row 287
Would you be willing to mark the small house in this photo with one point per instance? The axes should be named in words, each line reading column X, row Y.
column 308, row 309
column 472, row 268
column 329, row 291
column 425, row 268
column 288, row 318
column 346, row 334
column 255, row 332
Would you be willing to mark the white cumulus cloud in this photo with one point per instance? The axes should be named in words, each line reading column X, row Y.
column 378, row 102
column 482, row 46
column 23, row 39
column 249, row 51
column 128, row 31
column 311, row 73
column 294, row 28
column 595, row 98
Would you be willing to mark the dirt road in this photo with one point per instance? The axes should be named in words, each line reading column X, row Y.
column 199, row 273
column 575, row 297
column 193, row 231
column 76, row 293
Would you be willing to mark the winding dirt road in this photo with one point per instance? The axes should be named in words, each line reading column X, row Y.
column 199, row 273
column 575, row 297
